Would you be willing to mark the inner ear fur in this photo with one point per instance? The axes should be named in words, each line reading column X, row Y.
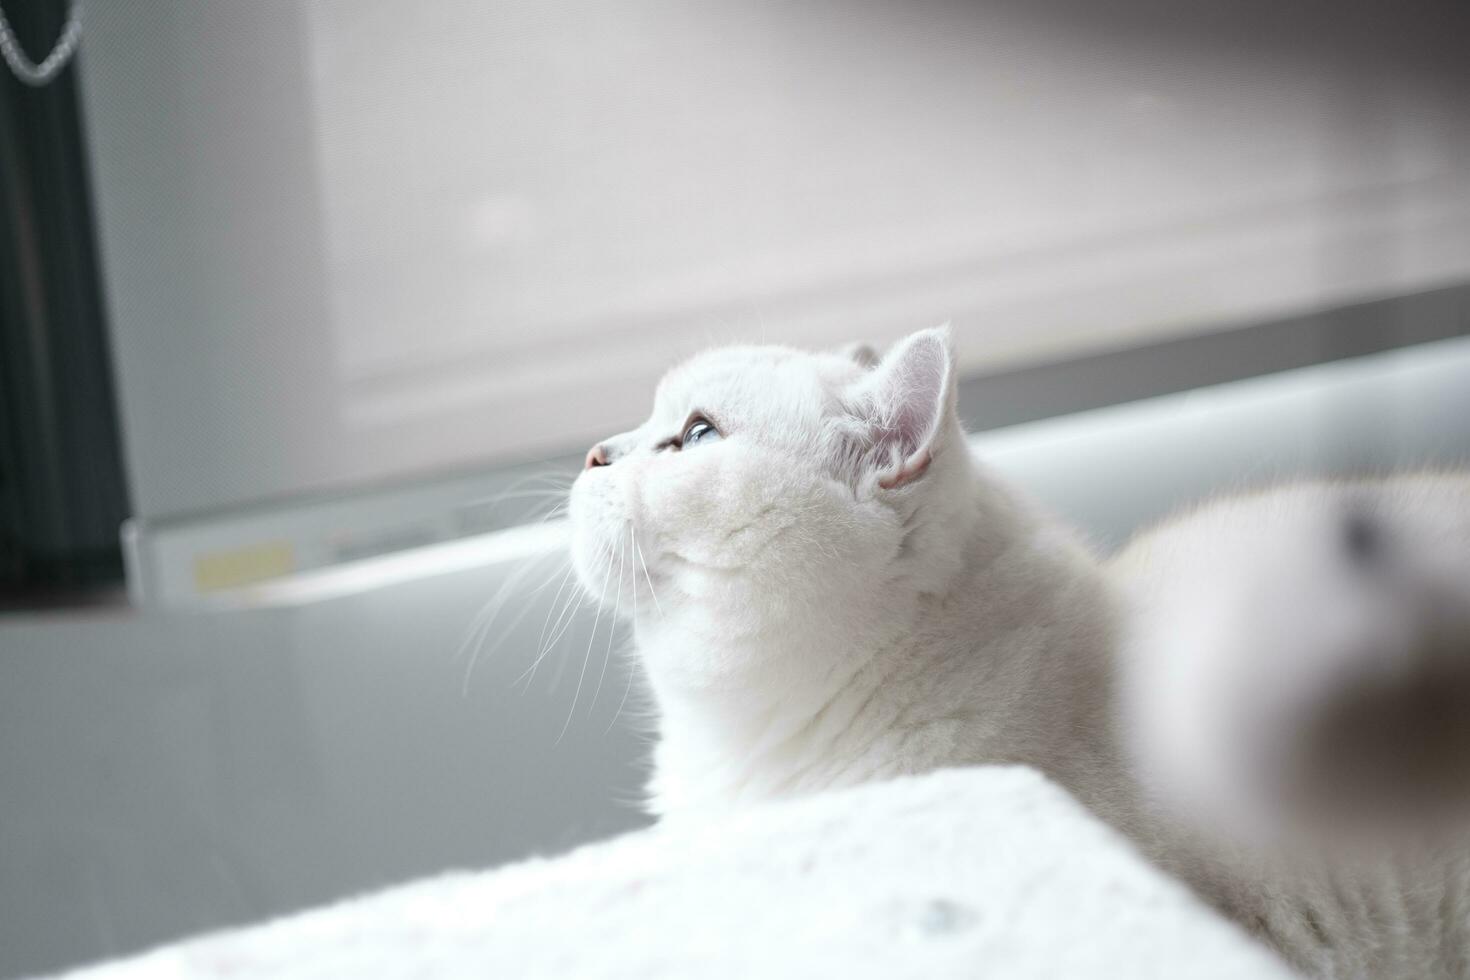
column 906, row 403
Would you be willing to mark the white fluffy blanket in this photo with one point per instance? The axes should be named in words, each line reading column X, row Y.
column 984, row 872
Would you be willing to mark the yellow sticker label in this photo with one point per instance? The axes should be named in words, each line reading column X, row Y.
column 243, row 566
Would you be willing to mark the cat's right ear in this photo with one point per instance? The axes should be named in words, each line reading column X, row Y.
column 907, row 406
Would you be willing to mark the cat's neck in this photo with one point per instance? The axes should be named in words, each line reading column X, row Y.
column 920, row 674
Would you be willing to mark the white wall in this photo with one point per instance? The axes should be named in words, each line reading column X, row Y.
column 354, row 240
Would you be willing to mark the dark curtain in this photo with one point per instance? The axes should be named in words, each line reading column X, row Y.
column 62, row 493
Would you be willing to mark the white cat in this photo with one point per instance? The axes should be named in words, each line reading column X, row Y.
column 830, row 589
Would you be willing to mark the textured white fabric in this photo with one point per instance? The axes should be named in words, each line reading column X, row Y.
column 984, row 872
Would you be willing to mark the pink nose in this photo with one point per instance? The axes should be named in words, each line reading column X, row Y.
column 597, row 456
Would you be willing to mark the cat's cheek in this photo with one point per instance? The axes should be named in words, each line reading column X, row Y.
column 744, row 510
column 694, row 500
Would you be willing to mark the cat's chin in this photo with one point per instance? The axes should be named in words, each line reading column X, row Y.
column 600, row 533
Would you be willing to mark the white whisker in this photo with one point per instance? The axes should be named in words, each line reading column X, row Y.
column 588, row 656
column 613, row 628
column 647, row 578
column 558, row 629
column 559, row 482
column 552, row 606
column 632, row 537
column 485, row 619
column 574, row 603
column 534, row 493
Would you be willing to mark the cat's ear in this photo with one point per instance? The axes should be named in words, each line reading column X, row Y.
column 908, row 403
column 863, row 354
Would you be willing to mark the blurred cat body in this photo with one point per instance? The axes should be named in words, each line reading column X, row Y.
column 828, row 588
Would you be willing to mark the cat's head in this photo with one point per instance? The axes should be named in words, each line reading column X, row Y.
column 772, row 490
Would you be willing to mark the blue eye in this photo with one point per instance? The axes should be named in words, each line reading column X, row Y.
column 699, row 430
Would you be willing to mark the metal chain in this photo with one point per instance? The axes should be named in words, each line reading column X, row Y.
column 27, row 70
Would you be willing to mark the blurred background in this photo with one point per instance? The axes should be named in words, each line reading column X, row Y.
column 309, row 309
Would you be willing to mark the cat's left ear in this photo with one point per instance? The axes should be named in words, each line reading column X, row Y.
column 862, row 354
column 908, row 404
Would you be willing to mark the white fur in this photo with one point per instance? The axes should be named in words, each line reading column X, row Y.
column 835, row 592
